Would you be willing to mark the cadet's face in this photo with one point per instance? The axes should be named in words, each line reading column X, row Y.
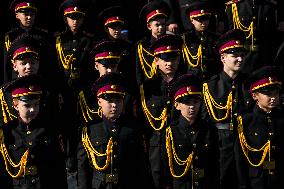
column 27, row 110
column 26, row 66
column 167, row 67
column 114, row 32
column 105, row 69
column 74, row 24
column 189, row 109
column 232, row 62
column 157, row 27
column 268, row 100
column 200, row 26
column 27, row 18
column 111, row 108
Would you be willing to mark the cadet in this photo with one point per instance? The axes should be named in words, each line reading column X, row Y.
column 73, row 47
column 30, row 144
column 154, row 16
column 111, row 152
column 199, row 42
column 258, row 19
column 155, row 101
column 190, row 139
column 25, row 12
column 224, row 99
column 260, row 132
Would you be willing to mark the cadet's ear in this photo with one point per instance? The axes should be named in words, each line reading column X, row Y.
column 149, row 25
column 176, row 104
column 223, row 57
column 99, row 102
column 254, row 96
column 97, row 65
column 15, row 104
column 15, row 66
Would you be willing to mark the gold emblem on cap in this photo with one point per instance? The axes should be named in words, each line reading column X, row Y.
column 110, row 53
column 113, row 86
column 168, row 47
column 238, row 42
column 202, row 11
column 270, row 79
column 27, row 48
column 157, row 11
column 188, row 88
column 117, row 18
column 75, row 8
column 28, row 4
column 31, row 88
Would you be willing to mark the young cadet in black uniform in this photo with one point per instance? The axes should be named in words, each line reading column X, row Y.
column 224, row 99
column 156, row 103
column 110, row 153
column 198, row 49
column 73, row 47
column 25, row 13
column 261, row 133
column 258, row 19
column 30, row 145
column 154, row 16
column 191, row 142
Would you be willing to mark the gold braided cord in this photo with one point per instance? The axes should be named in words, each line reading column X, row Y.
column 143, row 62
column 247, row 148
column 9, row 162
column 5, row 108
column 87, row 112
column 150, row 117
column 92, row 152
column 187, row 56
column 211, row 104
column 7, row 43
column 173, row 155
column 238, row 25
column 67, row 60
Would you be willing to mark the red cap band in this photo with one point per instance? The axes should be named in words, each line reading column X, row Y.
column 166, row 49
column 24, row 91
column 198, row 13
column 155, row 13
column 263, row 83
column 24, row 5
column 107, row 89
column 184, row 91
column 107, row 55
column 113, row 19
column 24, row 50
column 230, row 45
column 71, row 10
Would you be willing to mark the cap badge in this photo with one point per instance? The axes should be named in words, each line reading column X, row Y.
column 110, row 53
column 113, row 87
column 270, row 79
column 28, row 4
column 238, row 42
column 168, row 47
column 75, row 8
column 31, row 88
column 157, row 11
column 188, row 88
column 27, row 48
column 202, row 11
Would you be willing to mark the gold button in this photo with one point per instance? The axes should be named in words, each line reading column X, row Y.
column 194, row 145
column 30, row 143
column 115, row 143
column 196, row 157
column 255, row 134
column 74, row 49
column 192, row 132
column 29, row 132
column 32, row 156
column 271, row 134
column 114, row 156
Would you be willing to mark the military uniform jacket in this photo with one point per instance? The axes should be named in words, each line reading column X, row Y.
column 258, row 128
column 201, row 138
column 45, row 167
column 73, row 58
column 38, row 33
column 208, row 64
column 219, row 88
column 128, row 156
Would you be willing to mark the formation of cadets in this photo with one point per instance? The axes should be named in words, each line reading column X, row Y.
column 170, row 95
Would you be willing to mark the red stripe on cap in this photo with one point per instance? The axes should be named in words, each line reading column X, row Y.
column 113, row 19
column 107, row 55
column 71, row 10
column 25, row 91
column 198, row 13
column 263, row 83
column 107, row 89
column 230, row 45
column 166, row 49
column 24, row 50
column 24, row 5
column 155, row 13
column 188, row 90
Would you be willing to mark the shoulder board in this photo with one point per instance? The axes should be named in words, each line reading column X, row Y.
column 232, row 1
column 88, row 34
